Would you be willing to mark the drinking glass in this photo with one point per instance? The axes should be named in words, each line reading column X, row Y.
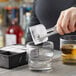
column 40, row 56
column 68, row 48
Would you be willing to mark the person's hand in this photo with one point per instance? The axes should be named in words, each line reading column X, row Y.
column 67, row 21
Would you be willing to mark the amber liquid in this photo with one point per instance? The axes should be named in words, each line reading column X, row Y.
column 69, row 53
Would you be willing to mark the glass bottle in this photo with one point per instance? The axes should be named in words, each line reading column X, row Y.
column 8, row 11
column 27, row 19
column 1, row 32
column 14, row 33
column 22, row 10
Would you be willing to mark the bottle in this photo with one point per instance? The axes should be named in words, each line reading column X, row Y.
column 27, row 23
column 8, row 11
column 14, row 33
column 24, row 8
column 22, row 11
column 1, row 33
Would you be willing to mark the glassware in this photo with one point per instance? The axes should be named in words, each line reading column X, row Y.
column 14, row 34
column 68, row 48
column 1, row 32
column 27, row 19
column 11, row 5
column 40, row 56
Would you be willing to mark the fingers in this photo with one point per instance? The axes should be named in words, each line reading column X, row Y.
column 59, row 30
column 72, row 22
column 58, row 25
column 67, row 21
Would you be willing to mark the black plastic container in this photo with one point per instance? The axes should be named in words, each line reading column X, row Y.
column 11, row 60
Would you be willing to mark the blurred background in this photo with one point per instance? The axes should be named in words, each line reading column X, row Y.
column 15, row 15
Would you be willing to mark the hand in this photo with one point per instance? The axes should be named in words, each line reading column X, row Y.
column 67, row 21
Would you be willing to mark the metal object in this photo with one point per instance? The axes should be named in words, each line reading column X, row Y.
column 40, row 34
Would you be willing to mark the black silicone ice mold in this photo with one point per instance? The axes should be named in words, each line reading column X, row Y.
column 11, row 60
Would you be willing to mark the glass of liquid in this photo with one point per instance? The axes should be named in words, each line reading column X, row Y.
column 40, row 56
column 68, row 48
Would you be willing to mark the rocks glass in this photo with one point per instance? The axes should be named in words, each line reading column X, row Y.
column 40, row 56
